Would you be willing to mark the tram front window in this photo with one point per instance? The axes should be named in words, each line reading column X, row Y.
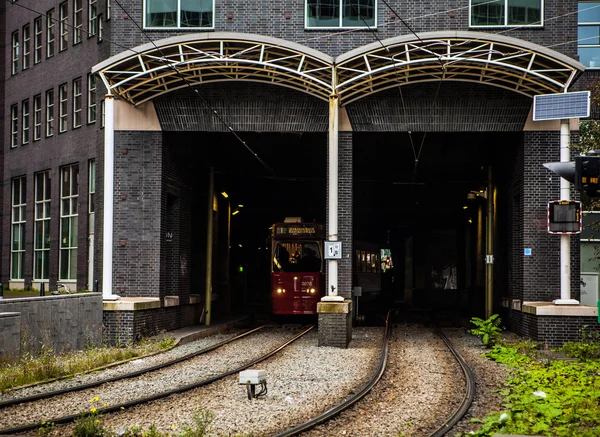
column 296, row 257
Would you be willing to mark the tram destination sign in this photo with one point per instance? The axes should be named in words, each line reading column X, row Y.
column 298, row 230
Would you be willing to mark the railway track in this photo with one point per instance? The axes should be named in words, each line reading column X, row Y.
column 33, row 407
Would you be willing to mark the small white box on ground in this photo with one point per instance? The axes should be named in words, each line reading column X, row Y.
column 252, row 376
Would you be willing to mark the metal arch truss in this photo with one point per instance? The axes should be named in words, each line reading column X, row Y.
column 145, row 75
column 151, row 70
column 493, row 63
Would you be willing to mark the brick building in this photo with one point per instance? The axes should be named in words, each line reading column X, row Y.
column 128, row 118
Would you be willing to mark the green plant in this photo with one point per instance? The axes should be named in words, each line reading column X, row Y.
column 88, row 424
column 45, row 429
column 202, row 424
column 588, row 348
column 488, row 330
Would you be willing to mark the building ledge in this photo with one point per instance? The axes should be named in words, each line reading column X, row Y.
column 335, row 307
column 549, row 309
column 171, row 301
column 132, row 304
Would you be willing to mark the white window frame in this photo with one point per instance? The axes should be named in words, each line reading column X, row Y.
column 14, row 122
column 77, row 21
column 37, row 117
column 37, row 40
column 92, row 112
column 42, row 199
column 63, row 109
column 491, row 26
column 26, row 46
column 69, row 197
column 50, row 113
column 50, row 34
column 92, row 18
column 178, row 19
column 15, row 52
column 64, row 26
column 17, row 218
column 339, row 26
column 77, row 103
column 25, row 114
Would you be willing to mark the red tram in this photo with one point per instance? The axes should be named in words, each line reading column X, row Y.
column 297, row 268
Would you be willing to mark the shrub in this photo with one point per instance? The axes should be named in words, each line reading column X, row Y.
column 488, row 330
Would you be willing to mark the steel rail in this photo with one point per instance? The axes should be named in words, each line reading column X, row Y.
column 470, row 389
column 49, row 394
column 134, row 402
column 334, row 411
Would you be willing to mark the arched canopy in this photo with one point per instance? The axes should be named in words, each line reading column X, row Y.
column 484, row 58
column 153, row 69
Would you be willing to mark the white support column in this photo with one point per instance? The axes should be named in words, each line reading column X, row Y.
column 565, row 239
column 332, row 213
column 108, row 214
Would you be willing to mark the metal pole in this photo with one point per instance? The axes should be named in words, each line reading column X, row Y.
column 332, row 235
column 489, row 262
column 109, row 168
column 209, row 244
column 565, row 239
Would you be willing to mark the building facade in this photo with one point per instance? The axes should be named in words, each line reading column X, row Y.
column 114, row 109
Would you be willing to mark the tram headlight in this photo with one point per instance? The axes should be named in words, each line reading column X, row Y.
column 312, row 291
column 280, row 290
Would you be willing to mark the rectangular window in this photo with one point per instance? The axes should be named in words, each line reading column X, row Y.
column 17, row 247
column 49, row 113
column 77, row 21
column 50, row 37
column 69, row 193
column 486, row 13
column 64, row 26
column 341, row 13
column 41, row 231
column 588, row 38
column 175, row 14
column 37, row 117
column 102, row 113
column 37, row 30
column 62, row 108
column 92, row 188
column 25, row 121
column 92, row 18
column 15, row 53
column 77, row 103
column 26, row 46
column 100, row 28
column 14, row 125
column 107, row 10
column 91, row 98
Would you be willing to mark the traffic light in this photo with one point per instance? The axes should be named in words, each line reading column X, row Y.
column 583, row 173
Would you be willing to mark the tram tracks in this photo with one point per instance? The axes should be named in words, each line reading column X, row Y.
column 15, row 411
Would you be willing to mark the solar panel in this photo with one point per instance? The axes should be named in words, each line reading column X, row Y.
column 561, row 106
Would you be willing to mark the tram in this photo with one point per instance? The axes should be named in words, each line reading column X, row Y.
column 373, row 266
column 297, row 268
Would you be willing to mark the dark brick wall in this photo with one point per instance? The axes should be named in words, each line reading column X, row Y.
column 139, row 212
column 270, row 19
column 335, row 329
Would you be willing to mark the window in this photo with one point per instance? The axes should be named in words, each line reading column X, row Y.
column 17, row 247
column 102, row 114
column 37, row 117
column 92, row 188
column 64, row 26
column 69, row 193
column 26, row 46
column 77, row 21
column 37, row 29
column 77, row 103
column 107, row 10
column 62, row 108
column 41, row 231
column 15, row 53
column 49, row 113
column 92, row 18
column 588, row 37
column 100, row 28
column 340, row 13
column 179, row 13
column 50, row 33
column 506, row 13
column 14, row 126
column 25, row 121
column 91, row 98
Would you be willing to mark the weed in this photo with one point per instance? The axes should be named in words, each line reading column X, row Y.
column 488, row 330
column 89, row 424
column 588, row 348
column 45, row 429
column 202, row 424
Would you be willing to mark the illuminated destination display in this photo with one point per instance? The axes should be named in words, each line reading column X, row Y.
column 298, row 230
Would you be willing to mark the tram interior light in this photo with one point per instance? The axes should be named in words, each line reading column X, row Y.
column 224, row 194
column 237, row 211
